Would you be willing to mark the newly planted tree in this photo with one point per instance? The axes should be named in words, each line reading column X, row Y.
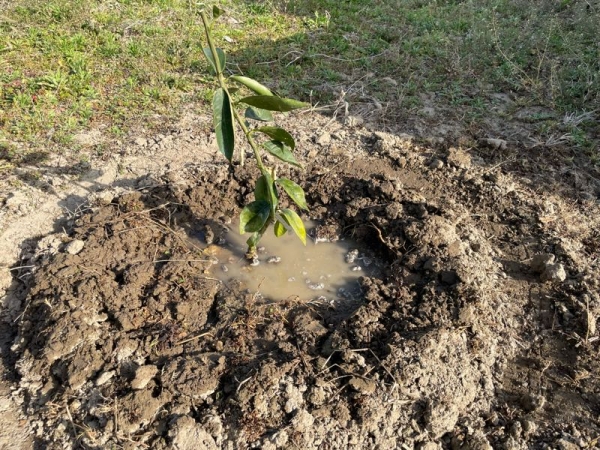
column 257, row 120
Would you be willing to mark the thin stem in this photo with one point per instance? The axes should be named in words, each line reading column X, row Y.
column 251, row 141
column 213, row 49
column 223, row 86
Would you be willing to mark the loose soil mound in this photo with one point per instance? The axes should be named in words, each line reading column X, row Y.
column 468, row 340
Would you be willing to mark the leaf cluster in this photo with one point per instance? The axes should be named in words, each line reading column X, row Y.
column 257, row 119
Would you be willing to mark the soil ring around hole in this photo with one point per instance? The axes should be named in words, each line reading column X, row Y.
column 132, row 341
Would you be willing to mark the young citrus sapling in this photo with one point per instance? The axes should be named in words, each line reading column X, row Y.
column 257, row 216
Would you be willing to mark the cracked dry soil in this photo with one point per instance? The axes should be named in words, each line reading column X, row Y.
column 467, row 340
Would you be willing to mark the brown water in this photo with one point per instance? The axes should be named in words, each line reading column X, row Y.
column 286, row 268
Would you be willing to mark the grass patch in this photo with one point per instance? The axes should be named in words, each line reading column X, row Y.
column 67, row 65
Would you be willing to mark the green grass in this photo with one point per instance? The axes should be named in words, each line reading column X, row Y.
column 69, row 65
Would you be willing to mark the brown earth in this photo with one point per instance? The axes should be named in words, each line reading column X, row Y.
column 481, row 332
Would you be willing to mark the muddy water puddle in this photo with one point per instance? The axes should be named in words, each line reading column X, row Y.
column 286, row 268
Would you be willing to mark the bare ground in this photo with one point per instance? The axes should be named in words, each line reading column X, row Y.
column 481, row 333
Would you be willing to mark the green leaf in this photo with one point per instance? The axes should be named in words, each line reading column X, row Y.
column 294, row 191
column 279, row 229
column 295, row 223
column 258, row 114
column 281, row 151
column 261, row 190
column 220, row 56
column 223, row 120
column 273, row 103
column 251, row 84
column 278, row 134
column 254, row 216
column 265, row 190
column 217, row 12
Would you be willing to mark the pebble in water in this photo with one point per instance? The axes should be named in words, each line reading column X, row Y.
column 274, row 260
column 316, row 286
column 224, row 268
column 351, row 256
column 356, row 269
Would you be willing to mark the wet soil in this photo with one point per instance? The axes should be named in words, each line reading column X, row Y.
column 479, row 333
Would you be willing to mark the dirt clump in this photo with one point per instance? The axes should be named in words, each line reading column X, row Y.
column 461, row 343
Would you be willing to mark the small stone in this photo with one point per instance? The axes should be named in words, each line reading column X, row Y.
column 104, row 377
column 224, row 268
column 356, row 269
column 274, row 260
column 186, row 434
column 554, row 272
column 143, row 375
column 363, row 386
column 140, row 141
column 436, row 164
column 316, row 286
column 324, row 139
column 74, row 247
column 496, row 144
column 539, row 262
column 354, row 121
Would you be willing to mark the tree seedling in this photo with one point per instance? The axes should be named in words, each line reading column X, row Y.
column 257, row 216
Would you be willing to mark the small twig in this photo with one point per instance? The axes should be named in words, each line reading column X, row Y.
column 242, row 383
column 185, row 341
column 116, row 416
column 255, row 295
column 71, row 420
column 327, row 361
column 494, row 167
column 21, row 267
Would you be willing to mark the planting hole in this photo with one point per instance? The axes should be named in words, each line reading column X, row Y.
column 286, row 268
